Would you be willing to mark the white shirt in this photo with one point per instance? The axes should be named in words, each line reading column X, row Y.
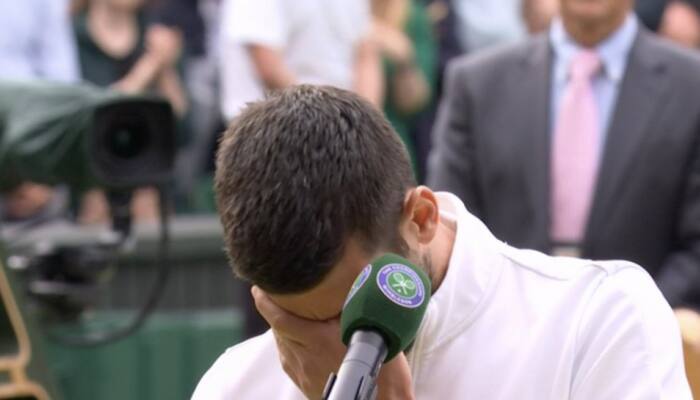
column 511, row 324
column 317, row 39
column 36, row 41
column 484, row 23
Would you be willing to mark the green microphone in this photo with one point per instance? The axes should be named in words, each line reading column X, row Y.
column 380, row 319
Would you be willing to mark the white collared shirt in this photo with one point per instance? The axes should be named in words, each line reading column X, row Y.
column 511, row 324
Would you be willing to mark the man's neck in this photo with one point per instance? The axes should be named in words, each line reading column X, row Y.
column 441, row 251
column 591, row 34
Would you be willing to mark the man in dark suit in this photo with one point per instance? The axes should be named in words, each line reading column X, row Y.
column 582, row 141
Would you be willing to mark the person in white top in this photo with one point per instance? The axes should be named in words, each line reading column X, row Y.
column 312, row 184
column 271, row 44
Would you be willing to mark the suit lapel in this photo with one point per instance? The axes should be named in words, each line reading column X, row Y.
column 640, row 99
column 532, row 127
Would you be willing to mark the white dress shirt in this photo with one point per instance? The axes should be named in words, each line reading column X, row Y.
column 511, row 324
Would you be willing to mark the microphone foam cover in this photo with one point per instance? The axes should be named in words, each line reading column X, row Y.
column 390, row 297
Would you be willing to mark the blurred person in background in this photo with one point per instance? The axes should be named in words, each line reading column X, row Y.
column 272, row 44
column 118, row 49
column 404, row 35
column 36, row 42
column 198, row 20
column 463, row 26
column 582, row 142
column 681, row 22
column 443, row 20
column 539, row 13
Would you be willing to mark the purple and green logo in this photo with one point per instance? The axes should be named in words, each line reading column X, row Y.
column 402, row 285
column 359, row 282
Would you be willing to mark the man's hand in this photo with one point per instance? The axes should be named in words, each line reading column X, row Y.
column 394, row 381
column 310, row 350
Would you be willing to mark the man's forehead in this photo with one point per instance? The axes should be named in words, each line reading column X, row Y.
column 325, row 300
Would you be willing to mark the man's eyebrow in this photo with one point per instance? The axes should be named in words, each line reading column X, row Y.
column 306, row 318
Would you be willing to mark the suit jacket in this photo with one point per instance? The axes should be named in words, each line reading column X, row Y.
column 492, row 149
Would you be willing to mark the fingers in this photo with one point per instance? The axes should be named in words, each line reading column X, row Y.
column 394, row 381
column 282, row 322
column 287, row 351
column 308, row 350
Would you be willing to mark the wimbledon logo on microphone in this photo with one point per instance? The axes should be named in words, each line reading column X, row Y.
column 402, row 285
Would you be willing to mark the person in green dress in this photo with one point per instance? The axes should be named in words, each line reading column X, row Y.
column 403, row 33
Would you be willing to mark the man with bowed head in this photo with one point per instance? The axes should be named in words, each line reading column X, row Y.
column 312, row 184
column 582, row 141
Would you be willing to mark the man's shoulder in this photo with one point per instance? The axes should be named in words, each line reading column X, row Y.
column 672, row 50
column 684, row 62
column 500, row 58
column 627, row 324
column 593, row 288
column 251, row 349
column 566, row 268
column 613, row 280
column 492, row 71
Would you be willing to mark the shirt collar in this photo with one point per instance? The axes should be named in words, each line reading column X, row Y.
column 472, row 273
column 613, row 51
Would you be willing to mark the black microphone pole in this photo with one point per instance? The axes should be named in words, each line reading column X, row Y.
column 356, row 378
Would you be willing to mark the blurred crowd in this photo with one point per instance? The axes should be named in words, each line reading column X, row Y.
column 209, row 58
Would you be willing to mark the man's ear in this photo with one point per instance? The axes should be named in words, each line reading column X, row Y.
column 421, row 215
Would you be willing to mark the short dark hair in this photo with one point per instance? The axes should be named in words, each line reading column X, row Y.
column 297, row 175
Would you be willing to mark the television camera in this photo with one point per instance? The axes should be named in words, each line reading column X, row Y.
column 80, row 136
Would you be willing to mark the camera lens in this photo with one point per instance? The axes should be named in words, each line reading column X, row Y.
column 132, row 142
column 127, row 141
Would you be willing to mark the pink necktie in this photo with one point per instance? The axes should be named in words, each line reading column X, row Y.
column 575, row 151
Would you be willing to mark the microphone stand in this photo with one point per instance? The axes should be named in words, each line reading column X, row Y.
column 356, row 378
